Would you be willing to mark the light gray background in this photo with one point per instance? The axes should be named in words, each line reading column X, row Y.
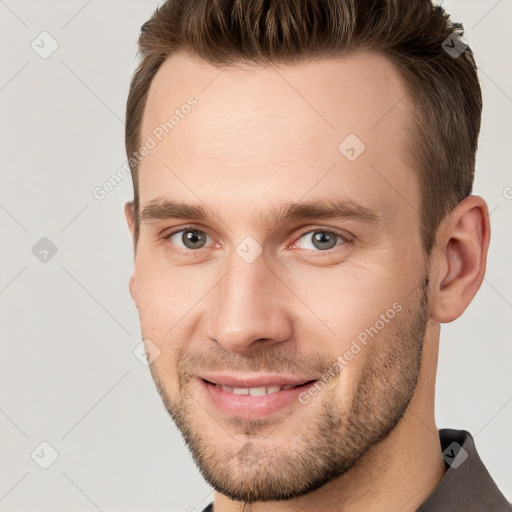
column 68, row 374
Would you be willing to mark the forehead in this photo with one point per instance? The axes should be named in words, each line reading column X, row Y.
column 280, row 131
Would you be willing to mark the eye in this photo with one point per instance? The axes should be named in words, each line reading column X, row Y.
column 188, row 238
column 320, row 239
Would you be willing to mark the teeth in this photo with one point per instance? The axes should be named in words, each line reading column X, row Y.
column 255, row 391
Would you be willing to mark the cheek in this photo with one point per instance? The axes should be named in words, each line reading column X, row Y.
column 349, row 300
column 159, row 318
column 165, row 294
column 361, row 307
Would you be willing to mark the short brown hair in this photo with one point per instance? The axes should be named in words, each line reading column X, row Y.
column 446, row 93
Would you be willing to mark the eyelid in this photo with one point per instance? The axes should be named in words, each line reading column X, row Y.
column 173, row 231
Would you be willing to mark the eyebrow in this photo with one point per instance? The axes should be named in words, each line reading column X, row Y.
column 164, row 209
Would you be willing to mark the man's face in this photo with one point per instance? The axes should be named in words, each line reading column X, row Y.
column 249, row 291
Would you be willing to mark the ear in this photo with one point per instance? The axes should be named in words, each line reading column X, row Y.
column 130, row 216
column 459, row 259
column 130, row 219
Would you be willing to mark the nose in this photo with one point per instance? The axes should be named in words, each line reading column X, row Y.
column 252, row 307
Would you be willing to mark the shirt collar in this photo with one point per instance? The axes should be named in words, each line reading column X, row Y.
column 466, row 486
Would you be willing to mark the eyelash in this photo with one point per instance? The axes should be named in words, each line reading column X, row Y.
column 186, row 252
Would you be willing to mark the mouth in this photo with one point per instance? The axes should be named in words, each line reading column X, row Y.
column 260, row 390
column 253, row 402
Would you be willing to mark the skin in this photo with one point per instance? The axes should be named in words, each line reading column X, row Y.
column 258, row 138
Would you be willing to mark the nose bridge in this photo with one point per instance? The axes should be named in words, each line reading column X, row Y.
column 250, row 305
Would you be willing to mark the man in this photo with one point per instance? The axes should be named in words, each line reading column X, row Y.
column 303, row 223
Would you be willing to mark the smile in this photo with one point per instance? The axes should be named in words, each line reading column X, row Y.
column 259, row 391
column 253, row 402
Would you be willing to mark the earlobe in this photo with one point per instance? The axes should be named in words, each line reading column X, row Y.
column 460, row 256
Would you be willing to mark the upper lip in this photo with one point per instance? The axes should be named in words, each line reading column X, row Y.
column 251, row 381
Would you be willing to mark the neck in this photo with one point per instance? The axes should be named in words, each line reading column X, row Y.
column 398, row 473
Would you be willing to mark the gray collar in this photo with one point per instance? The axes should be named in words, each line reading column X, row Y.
column 466, row 486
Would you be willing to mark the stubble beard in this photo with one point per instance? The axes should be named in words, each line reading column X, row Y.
column 331, row 443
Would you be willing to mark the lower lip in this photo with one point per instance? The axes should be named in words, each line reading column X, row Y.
column 252, row 406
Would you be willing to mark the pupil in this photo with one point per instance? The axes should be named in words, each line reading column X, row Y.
column 323, row 240
column 193, row 239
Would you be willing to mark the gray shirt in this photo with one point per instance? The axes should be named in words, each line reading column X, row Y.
column 466, row 486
